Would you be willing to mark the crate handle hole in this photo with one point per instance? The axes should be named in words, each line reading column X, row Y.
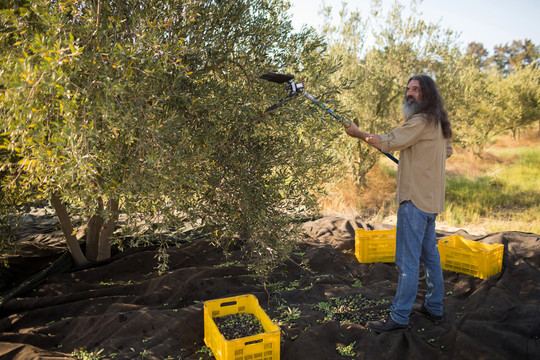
column 253, row 342
column 228, row 303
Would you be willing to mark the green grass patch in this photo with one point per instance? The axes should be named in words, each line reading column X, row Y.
column 506, row 197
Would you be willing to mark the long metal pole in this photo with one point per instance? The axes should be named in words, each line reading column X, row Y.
column 341, row 120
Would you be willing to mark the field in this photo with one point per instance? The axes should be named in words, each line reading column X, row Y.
column 497, row 190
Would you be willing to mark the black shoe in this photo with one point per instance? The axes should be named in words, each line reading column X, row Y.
column 421, row 309
column 386, row 326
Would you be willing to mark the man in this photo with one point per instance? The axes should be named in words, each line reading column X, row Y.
column 424, row 145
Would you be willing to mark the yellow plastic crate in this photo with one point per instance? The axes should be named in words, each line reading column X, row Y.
column 264, row 346
column 470, row 257
column 373, row 246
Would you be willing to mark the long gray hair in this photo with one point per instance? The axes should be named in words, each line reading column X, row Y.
column 432, row 104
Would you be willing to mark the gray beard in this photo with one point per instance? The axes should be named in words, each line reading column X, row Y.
column 409, row 108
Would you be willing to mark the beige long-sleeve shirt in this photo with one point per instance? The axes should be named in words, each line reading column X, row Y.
column 423, row 151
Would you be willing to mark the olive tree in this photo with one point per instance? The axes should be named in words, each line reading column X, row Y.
column 152, row 108
column 518, row 97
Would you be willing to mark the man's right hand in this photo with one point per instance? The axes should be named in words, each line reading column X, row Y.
column 352, row 130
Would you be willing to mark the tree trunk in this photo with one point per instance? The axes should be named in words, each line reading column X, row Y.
column 67, row 228
column 92, row 235
column 104, row 245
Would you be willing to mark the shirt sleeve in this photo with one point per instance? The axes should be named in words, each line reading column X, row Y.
column 404, row 136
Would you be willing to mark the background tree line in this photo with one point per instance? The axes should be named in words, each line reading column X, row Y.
column 154, row 109
column 506, row 58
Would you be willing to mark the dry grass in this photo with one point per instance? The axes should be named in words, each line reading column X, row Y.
column 465, row 163
column 374, row 200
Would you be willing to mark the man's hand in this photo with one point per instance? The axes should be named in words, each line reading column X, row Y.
column 374, row 140
column 352, row 130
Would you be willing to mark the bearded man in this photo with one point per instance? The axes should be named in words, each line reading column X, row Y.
column 424, row 145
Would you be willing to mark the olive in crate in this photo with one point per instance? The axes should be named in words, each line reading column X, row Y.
column 235, row 326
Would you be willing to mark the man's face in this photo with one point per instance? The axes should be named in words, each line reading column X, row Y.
column 411, row 103
column 413, row 91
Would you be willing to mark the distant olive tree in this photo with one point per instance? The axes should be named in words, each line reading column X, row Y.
column 517, row 98
column 479, row 54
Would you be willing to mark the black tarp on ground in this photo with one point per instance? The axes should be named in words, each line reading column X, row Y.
column 125, row 307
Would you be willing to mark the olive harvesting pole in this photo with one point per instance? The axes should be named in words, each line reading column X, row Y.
column 295, row 88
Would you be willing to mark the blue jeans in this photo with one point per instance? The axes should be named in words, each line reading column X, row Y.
column 416, row 244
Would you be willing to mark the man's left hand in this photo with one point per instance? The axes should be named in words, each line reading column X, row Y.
column 374, row 140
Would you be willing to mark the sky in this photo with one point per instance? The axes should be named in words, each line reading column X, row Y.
column 490, row 22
